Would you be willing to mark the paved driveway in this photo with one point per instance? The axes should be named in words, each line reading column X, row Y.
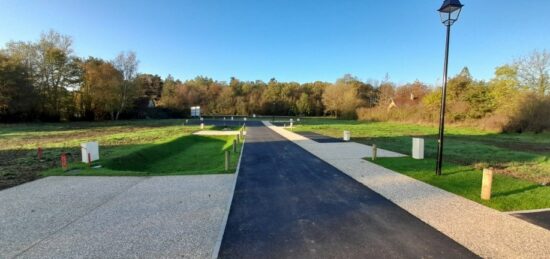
column 290, row 204
column 114, row 217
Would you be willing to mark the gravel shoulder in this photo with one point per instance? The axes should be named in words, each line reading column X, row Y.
column 486, row 232
column 114, row 217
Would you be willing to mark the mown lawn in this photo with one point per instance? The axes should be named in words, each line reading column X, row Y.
column 521, row 161
column 144, row 147
column 525, row 156
column 508, row 194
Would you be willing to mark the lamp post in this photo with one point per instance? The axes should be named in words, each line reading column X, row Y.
column 449, row 12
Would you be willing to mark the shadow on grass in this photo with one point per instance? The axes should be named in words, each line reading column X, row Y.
column 516, row 191
column 187, row 153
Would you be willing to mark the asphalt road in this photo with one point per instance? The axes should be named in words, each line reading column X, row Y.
column 541, row 219
column 290, row 204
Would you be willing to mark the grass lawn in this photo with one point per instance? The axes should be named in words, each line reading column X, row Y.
column 508, row 193
column 521, row 161
column 133, row 148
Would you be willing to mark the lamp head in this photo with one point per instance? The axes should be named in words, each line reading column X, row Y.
column 449, row 11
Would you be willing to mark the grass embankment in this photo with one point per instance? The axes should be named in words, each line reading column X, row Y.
column 147, row 147
column 522, row 161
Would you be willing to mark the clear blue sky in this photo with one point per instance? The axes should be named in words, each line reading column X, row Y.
column 290, row 40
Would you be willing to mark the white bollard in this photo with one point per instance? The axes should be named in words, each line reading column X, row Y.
column 418, row 148
column 347, row 135
column 202, row 125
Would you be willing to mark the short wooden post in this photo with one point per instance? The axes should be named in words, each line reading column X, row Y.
column 238, row 139
column 227, row 160
column 234, row 146
column 39, row 153
column 486, row 184
column 374, row 151
column 64, row 161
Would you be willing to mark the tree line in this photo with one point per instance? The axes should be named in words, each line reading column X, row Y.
column 45, row 81
column 516, row 99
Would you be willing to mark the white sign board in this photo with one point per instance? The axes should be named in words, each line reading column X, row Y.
column 91, row 148
column 195, row 111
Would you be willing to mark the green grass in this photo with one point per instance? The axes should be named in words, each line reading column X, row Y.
column 181, row 156
column 525, row 156
column 521, row 161
column 508, row 194
column 140, row 143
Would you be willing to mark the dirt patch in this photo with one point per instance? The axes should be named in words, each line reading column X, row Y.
column 20, row 166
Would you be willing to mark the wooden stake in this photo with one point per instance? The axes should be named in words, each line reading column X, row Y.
column 486, row 184
column 64, row 161
column 227, row 160
column 374, row 151
column 234, row 146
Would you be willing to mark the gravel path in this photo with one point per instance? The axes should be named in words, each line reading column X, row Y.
column 114, row 217
column 487, row 232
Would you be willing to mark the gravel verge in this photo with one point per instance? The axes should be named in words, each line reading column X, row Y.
column 114, row 217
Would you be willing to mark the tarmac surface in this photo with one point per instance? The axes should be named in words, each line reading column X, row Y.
column 290, row 204
column 541, row 218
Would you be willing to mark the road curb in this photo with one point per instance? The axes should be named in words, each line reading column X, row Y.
column 218, row 244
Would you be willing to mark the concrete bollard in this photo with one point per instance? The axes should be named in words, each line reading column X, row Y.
column 374, row 151
column 418, row 148
column 486, row 184
column 234, row 146
column 202, row 125
column 347, row 135
column 227, row 155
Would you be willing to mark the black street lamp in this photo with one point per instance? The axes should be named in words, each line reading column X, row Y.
column 449, row 12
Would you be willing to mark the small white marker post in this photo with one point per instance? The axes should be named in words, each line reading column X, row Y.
column 486, row 184
column 202, row 125
column 418, row 148
column 347, row 135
